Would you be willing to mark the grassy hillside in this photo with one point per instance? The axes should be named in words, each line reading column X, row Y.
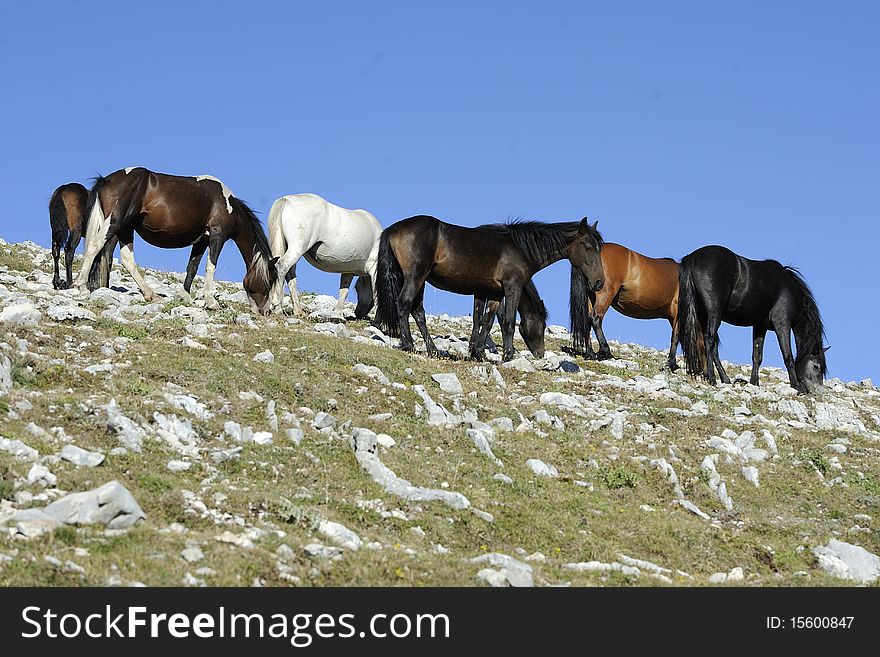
column 259, row 517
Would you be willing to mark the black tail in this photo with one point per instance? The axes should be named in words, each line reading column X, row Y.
column 58, row 220
column 99, row 275
column 388, row 286
column 809, row 331
column 690, row 332
column 579, row 311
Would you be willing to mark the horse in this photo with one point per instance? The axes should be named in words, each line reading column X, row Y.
column 636, row 286
column 331, row 238
column 67, row 218
column 715, row 285
column 491, row 262
column 174, row 212
column 533, row 322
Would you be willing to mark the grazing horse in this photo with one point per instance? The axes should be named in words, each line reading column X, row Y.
column 67, row 217
column 491, row 262
column 716, row 284
column 331, row 238
column 635, row 286
column 173, row 212
column 532, row 324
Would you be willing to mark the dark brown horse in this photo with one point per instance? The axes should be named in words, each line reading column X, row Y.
column 532, row 322
column 492, row 262
column 636, row 286
column 173, row 212
column 67, row 217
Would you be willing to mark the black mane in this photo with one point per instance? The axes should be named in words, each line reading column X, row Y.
column 540, row 241
column 809, row 331
column 261, row 241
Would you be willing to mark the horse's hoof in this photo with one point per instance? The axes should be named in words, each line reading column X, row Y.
column 604, row 355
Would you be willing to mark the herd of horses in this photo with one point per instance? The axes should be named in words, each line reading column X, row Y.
column 494, row 263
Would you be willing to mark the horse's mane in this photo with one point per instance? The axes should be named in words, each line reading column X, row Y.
column 262, row 259
column 809, row 331
column 530, row 294
column 539, row 241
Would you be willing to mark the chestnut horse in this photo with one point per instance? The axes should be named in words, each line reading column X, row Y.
column 636, row 286
column 491, row 262
column 67, row 217
column 173, row 212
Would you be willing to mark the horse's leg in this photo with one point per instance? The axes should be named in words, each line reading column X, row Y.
column 478, row 349
column 604, row 352
column 126, row 251
column 783, row 335
column 56, row 255
column 69, row 250
column 405, row 304
column 713, row 322
column 511, row 303
column 286, row 266
column 418, row 314
column 195, row 257
column 673, row 347
column 215, row 245
column 344, row 283
column 758, row 334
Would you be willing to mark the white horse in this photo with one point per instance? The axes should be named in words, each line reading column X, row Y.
column 331, row 238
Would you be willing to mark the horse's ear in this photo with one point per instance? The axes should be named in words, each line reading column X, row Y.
column 585, row 225
column 595, row 225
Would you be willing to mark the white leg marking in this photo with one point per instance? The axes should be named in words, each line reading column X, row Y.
column 127, row 257
column 210, row 301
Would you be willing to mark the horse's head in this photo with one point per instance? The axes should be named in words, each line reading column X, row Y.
column 531, row 328
column 811, row 369
column 258, row 283
column 364, row 290
column 585, row 254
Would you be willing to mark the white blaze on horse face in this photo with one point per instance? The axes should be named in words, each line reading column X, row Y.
column 226, row 191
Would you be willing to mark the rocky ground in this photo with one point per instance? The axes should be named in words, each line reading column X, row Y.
column 161, row 444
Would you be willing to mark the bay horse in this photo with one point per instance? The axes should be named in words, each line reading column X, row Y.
column 173, row 212
column 716, row 284
column 532, row 324
column 636, row 286
column 67, row 218
column 491, row 262
column 329, row 237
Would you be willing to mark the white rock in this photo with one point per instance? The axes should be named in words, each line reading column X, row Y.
column 848, row 561
column 323, row 420
column 5, row 374
column 178, row 466
column 20, row 314
column 110, row 505
column 192, row 554
column 340, row 535
column 449, row 383
column 264, row 357
column 62, row 313
column 520, row 364
column 503, row 478
column 39, row 474
column 371, row 372
column 81, row 457
column 18, row 449
column 514, row 572
column 542, row 469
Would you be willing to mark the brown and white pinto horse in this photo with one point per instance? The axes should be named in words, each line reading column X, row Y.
column 636, row 286
column 173, row 212
column 67, row 217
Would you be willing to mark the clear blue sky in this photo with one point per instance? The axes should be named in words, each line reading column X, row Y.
column 676, row 124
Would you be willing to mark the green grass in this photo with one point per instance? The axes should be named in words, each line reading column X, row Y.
column 284, row 490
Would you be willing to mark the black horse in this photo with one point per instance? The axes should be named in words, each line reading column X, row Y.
column 491, row 262
column 716, row 285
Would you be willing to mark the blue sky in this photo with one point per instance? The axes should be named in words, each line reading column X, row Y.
column 678, row 124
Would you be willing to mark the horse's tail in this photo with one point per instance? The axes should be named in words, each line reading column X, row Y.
column 388, row 285
column 97, row 225
column 579, row 311
column 690, row 332
column 58, row 220
column 277, row 241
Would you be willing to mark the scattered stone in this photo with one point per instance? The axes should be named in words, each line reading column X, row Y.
column 18, row 449
column 192, row 554
column 448, row 383
column 323, row 421
column 340, row 535
column 371, row 372
column 81, row 457
column 848, row 561
column 542, row 469
column 20, row 314
column 178, row 466
column 264, row 357
column 510, row 571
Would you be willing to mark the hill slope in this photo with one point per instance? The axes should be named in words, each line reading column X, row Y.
column 276, row 451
